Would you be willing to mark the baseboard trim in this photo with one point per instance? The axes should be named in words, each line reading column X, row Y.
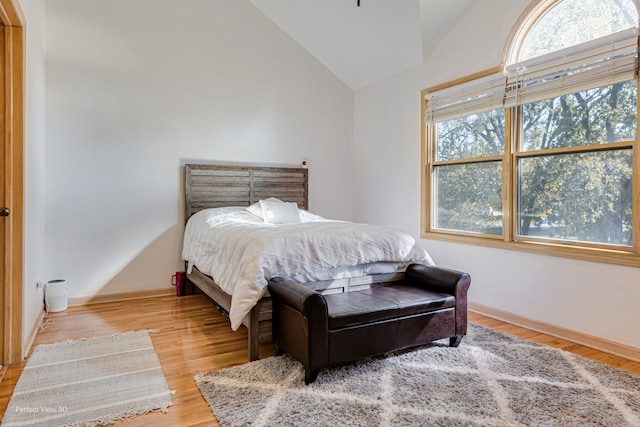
column 587, row 340
column 121, row 296
column 31, row 338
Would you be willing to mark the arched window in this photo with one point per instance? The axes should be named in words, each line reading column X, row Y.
column 567, row 23
column 543, row 154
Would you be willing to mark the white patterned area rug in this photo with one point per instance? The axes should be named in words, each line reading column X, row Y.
column 89, row 382
column 491, row 379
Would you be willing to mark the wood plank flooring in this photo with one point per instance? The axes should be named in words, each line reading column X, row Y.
column 194, row 337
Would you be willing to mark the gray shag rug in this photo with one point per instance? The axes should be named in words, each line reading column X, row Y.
column 89, row 382
column 491, row 379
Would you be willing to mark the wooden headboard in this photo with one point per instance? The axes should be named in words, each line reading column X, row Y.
column 215, row 186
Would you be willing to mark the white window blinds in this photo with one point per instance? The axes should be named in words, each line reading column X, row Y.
column 600, row 62
column 472, row 97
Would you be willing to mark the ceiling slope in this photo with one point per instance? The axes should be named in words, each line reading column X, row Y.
column 437, row 17
column 367, row 43
column 360, row 45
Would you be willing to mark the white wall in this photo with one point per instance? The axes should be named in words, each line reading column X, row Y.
column 137, row 88
column 34, row 166
column 593, row 298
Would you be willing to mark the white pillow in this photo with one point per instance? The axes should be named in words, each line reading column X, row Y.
column 256, row 208
column 278, row 212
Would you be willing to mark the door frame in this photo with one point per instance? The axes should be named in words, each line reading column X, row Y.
column 12, row 49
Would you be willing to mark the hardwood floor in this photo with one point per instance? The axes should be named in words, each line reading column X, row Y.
column 194, row 337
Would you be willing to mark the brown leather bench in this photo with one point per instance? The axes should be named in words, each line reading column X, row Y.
column 321, row 330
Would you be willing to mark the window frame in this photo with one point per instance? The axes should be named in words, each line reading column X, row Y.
column 510, row 239
column 429, row 162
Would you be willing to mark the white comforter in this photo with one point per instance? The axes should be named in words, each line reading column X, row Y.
column 242, row 253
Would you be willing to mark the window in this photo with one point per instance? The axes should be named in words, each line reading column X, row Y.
column 542, row 154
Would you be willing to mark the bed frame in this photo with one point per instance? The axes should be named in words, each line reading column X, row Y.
column 214, row 186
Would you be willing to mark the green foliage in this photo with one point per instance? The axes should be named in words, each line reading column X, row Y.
column 601, row 115
column 477, row 135
column 469, row 197
column 578, row 197
column 571, row 196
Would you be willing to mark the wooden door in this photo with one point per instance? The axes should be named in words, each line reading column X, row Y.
column 11, row 176
column 4, row 261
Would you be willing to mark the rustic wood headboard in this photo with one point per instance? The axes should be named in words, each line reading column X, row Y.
column 215, row 186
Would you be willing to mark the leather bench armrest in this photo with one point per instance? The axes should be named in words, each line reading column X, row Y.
column 297, row 296
column 438, row 279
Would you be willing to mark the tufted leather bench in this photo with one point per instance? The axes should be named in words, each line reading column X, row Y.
column 321, row 330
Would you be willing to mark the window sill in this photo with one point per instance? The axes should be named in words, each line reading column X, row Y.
column 582, row 253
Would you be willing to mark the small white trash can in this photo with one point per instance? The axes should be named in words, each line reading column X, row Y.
column 55, row 295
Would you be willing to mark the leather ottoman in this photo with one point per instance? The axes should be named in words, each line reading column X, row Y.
column 321, row 330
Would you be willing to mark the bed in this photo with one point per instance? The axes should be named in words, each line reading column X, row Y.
column 216, row 198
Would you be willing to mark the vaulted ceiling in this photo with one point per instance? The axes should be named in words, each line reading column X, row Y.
column 367, row 43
